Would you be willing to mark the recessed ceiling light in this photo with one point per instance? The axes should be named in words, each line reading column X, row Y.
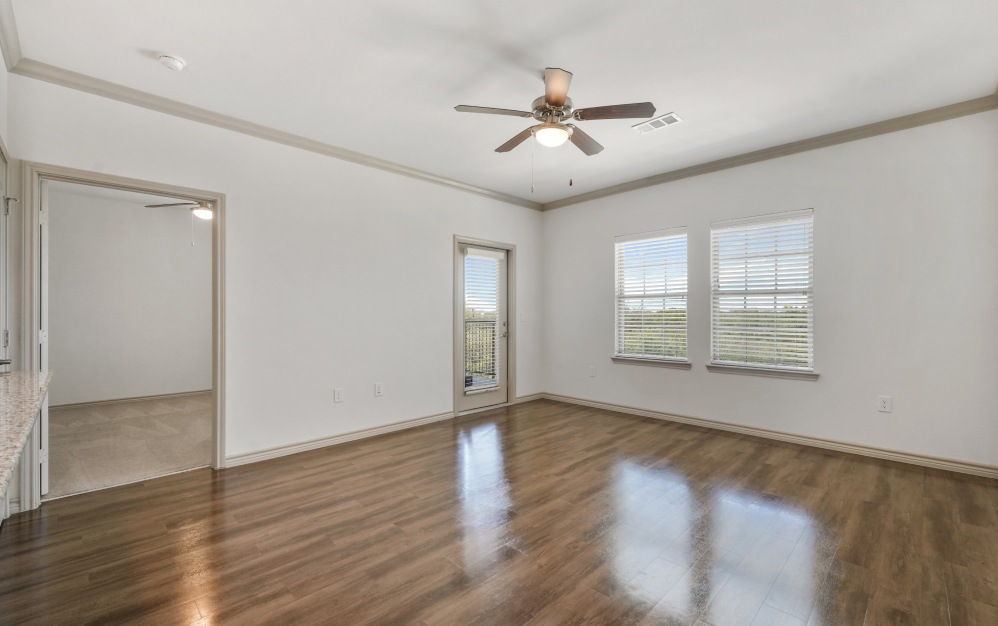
column 172, row 62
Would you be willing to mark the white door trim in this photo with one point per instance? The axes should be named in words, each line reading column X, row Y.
column 41, row 348
column 5, row 199
column 458, row 339
column 31, row 176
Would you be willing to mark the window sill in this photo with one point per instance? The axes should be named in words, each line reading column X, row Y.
column 762, row 371
column 683, row 365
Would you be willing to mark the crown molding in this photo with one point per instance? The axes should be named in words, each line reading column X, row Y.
column 11, row 49
column 31, row 68
column 941, row 114
column 10, row 44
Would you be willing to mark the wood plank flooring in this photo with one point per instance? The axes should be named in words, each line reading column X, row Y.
column 542, row 513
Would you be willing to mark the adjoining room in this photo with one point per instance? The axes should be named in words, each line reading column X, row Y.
column 129, row 330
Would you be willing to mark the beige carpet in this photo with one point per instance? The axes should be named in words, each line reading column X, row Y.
column 103, row 445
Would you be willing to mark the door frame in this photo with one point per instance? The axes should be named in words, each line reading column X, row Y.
column 458, row 321
column 32, row 174
column 5, row 199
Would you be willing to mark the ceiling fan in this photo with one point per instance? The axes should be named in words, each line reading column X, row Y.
column 198, row 209
column 554, row 108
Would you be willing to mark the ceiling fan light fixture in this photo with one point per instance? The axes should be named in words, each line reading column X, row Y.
column 552, row 135
column 555, row 108
column 203, row 211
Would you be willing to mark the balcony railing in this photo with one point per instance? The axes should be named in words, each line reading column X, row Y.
column 479, row 354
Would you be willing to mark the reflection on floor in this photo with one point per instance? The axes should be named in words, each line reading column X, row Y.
column 541, row 513
column 102, row 445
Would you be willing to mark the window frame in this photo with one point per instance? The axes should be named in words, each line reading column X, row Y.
column 619, row 356
column 714, row 364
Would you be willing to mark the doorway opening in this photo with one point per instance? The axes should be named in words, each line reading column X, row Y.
column 123, row 300
column 484, row 333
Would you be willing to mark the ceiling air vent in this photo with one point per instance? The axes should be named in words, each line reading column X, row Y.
column 656, row 123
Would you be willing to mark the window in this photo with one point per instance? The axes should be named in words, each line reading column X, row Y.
column 651, row 296
column 762, row 292
column 484, row 317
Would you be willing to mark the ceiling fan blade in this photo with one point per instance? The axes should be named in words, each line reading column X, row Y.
column 616, row 111
column 463, row 108
column 158, row 206
column 556, row 82
column 515, row 141
column 584, row 142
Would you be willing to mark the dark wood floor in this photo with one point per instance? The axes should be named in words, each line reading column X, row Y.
column 544, row 513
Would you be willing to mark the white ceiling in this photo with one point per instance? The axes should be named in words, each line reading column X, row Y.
column 381, row 77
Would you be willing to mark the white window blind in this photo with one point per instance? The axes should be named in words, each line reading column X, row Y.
column 483, row 273
column 762, row 291
column 651, row 295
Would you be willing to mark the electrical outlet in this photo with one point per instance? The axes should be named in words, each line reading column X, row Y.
column 592, row 371
column 338, row 394
column 885, row 404
column 379, row 390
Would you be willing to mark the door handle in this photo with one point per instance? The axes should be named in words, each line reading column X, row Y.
column 505, row 333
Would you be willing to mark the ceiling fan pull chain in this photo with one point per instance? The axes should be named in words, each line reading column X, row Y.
column 192, row 229
column 533, row 150
column 571, row 166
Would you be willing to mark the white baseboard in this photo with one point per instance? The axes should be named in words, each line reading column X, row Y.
column 953, row 465
column 530, row 398
column 162, row 396
column 322, row 442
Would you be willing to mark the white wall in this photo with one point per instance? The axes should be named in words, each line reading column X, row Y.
column 906, row 296
column 338, row 275
column 129, row 299
column 322, row 255
column 3, row 101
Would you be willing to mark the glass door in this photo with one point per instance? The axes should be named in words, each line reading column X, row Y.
column 484, row 327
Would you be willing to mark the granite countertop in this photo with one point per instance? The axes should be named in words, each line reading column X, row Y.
column 21, row 395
